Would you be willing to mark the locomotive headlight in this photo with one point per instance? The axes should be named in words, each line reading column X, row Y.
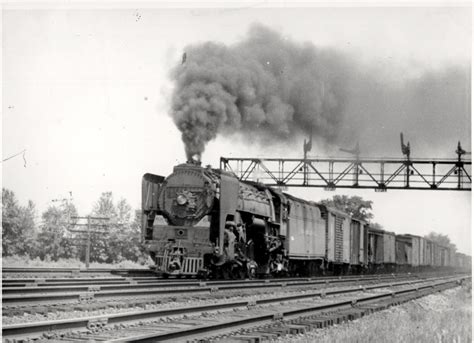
column 181, row 199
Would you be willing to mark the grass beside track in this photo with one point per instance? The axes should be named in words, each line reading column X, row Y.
column 442, row 317
column 26, row 262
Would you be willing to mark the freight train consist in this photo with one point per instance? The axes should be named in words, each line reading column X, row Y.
column 205, row 222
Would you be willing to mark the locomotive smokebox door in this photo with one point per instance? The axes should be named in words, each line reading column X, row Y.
column 229, row 196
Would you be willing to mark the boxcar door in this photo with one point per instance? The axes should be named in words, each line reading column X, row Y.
column 355, row 241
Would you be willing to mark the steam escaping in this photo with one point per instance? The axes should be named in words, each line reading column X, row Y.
column 265, row 86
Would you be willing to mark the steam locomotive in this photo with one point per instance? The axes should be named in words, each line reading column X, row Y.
column 204, row 222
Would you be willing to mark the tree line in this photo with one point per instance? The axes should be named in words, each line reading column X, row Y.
column 53, row 237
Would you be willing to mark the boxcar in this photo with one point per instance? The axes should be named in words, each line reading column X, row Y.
column 463, row 262
column 358, row 245
column 459, row 260
column 375, row 247
column 337, row 238
column 423, row 262
column 414, row 249
column 437, row 255
column 403, row 251
column 429, row 253
column 381, row 249
column 444, row 256
column 452, row 258
column 389, row 248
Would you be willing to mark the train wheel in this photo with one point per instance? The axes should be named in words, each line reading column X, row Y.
column 239, row 272
column 252, row 272
column 313, row 269
column 226, row 271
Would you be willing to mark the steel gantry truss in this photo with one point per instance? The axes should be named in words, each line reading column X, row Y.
column 332, row 173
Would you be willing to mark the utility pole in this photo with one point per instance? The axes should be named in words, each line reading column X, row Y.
column 89, row 225
column 88, row 243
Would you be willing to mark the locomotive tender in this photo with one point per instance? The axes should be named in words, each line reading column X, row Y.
column 205, row 222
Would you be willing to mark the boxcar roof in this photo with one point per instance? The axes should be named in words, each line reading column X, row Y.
column 380, row 231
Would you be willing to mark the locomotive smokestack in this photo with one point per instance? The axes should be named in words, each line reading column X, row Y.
column 266, row 88
column 196, row 160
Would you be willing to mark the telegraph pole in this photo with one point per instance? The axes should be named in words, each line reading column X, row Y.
column 88, row 243
column 88, row 232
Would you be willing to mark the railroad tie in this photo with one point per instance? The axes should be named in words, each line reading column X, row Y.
column 246, row 338
column 267, row 335
column 368, row 310
column 349, row 314
column 321, row 322
column 308, row 323
column 296, row 329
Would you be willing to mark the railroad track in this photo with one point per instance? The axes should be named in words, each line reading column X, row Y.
column 16, row 285
column 41, row 294
column 183, row 323
column 130, row 292
column 29, row 273
column 50, row 274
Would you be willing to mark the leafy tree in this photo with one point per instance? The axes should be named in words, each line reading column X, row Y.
column 54, row 239
column 355, row 206
column 122, row 241
column 126, row 236
column 137, row 247
column 377, row 226
column 18, row 225
column 121, row 238
column 441, row 239
column 105, row 207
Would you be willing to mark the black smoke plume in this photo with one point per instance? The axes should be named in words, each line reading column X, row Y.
column 270, row 89
column 265, row 86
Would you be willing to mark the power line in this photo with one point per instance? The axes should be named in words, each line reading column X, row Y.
column 88, row 231
column 19, row 153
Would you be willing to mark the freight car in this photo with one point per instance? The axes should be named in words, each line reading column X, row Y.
column 414, row 252
column 462, row 261
column 205, row 222
column 381, row 250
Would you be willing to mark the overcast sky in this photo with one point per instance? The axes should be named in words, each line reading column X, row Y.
column 87, row 93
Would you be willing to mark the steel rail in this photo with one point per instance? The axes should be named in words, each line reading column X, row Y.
column 72, row 270
column 27, row 294
column 155, row 278
column 260, row 319
column 41, row 287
